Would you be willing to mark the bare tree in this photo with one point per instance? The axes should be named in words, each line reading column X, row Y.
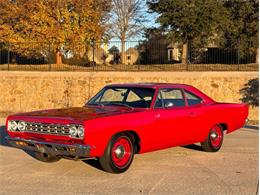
column 127, row 18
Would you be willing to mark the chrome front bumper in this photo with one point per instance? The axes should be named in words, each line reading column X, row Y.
column 75, row 150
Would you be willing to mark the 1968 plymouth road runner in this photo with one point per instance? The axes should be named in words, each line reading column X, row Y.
column 126, row 119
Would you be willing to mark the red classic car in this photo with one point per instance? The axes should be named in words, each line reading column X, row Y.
column 126, row 119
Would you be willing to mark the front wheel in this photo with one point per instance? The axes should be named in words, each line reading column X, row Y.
column 119, row 154
column 214, row 140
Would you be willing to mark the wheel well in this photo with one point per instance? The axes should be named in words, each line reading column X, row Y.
column 137, row 141
column 224, row 126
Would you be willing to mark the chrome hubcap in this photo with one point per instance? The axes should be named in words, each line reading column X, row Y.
column 120, row 152
column 213, row 135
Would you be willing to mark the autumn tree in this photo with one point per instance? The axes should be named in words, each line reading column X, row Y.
column 186, row 20
column 127, row 18
column 51, row 26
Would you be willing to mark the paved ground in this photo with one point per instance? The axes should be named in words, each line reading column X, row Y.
column 179, row 170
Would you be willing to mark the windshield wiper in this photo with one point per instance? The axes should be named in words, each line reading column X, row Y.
column 98, row 104
column 120, row 104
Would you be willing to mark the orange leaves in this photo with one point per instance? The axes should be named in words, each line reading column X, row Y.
column 56, row 22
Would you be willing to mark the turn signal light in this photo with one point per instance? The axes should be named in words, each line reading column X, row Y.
column 21, row 143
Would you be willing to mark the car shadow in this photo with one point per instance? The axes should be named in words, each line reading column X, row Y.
column 3, row 134
column 93, row 163
column 252, row 127
column 193, row 147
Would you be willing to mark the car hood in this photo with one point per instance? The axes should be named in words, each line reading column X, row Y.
column 77, row 113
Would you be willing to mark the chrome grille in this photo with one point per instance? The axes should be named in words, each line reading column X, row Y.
column 45, row 128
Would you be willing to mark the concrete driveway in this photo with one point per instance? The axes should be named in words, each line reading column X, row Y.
column 179, row 170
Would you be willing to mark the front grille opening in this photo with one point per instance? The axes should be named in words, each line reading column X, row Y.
column 29, row 144
column 45, row 155
column 45, row 128
column 48, row 145
column 73, row 150
column 60, row 148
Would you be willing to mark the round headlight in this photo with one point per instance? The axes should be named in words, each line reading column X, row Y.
column 81, row 131
column 21, row 126
column 73, row 131
column 12, row 125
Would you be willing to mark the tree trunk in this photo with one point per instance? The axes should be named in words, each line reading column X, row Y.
column 257, row 56
column 58, row 58
column 184, row 57
column 123, row 49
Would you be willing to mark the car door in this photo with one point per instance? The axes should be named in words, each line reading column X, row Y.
column 198, row 117
column 172, row 117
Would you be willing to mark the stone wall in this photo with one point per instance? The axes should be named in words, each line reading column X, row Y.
column 27, row 91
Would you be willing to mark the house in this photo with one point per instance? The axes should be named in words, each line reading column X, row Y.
column 173, row 51
column 131, row 56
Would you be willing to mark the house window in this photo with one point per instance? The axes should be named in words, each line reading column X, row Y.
column 129, row 57
column 171, row 55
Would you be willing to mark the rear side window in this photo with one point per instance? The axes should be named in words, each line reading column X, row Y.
column 192, row 99
column 170, row 98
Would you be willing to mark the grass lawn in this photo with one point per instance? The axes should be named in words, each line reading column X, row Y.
column 120, row 67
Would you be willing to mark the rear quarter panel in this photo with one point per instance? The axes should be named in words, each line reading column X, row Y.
column 231, row 114
column 235, row 115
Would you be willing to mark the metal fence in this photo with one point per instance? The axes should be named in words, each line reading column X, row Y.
column 156, row 55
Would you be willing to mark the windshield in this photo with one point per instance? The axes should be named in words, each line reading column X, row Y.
column 134, row 97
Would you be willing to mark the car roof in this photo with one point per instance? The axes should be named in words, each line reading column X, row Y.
column 150, row 85
column 190, row 88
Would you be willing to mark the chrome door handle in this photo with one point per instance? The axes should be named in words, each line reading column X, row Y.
column 157, row 116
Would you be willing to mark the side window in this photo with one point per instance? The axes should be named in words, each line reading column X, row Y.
column 192, row 99
column 170, row 98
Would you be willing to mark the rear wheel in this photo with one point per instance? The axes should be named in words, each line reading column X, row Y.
column 214, row 140
column 45, row 157
column 119, row 154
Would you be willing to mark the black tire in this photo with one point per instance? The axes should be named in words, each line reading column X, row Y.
column 45, row 157
column 213, row 143
column 108, row 160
